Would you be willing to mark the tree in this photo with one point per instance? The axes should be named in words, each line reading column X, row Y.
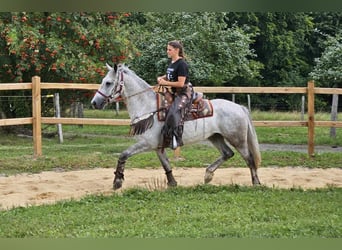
column 60, row 47
column 216, row 54
column 281, row 44
column 328, row 68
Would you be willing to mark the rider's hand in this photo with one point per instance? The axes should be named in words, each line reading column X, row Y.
column 156, row 88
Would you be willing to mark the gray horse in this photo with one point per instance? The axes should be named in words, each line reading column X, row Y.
column 230, row 123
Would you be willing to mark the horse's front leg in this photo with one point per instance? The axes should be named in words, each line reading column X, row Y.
column 119, row 172
column 171, row 182
column 120, row 167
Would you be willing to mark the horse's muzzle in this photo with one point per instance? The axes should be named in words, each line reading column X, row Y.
column 96, row 105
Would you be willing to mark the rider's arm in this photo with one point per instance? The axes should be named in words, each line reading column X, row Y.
column 180, row 83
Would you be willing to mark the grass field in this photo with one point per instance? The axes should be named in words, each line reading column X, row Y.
column 203, row 211
column 199, row 212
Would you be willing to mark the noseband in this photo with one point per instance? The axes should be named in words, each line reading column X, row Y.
column 105, row 96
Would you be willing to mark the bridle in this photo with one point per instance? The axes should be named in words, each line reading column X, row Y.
column 108, row 98
column 118, row 89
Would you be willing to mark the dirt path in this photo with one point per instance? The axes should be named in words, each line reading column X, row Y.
column 49, row 187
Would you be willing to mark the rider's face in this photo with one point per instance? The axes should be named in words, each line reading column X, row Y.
column 172, row 52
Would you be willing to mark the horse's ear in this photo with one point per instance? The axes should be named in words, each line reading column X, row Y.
column 108, row 67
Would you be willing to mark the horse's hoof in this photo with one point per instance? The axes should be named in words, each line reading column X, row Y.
column 208, row 177
column 172, row 184
column 117, row 184
column 256, row 182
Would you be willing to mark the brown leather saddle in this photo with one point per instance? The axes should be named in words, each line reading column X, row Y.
column 200, row 106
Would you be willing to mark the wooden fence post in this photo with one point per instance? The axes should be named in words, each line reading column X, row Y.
column 249, row 103
column 334, row 108
column 311, row 118
column 36, row 117
column 302, row 111
column 58, row 115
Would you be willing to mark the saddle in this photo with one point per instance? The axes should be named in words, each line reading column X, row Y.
column 200, row 107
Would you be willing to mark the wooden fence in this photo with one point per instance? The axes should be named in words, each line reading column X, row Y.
column 37, row 120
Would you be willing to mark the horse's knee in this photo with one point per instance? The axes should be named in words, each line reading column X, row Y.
column 123, row 157
column 227, row 154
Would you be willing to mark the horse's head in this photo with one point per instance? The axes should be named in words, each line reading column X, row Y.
column 109, row 90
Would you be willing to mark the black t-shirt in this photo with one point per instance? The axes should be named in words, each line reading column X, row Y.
column 176, row 69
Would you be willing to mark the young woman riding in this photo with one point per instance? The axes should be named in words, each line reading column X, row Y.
column 176, row 77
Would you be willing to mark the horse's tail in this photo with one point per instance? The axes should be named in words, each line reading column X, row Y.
column 252, row 140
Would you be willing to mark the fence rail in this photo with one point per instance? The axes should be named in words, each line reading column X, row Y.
column 37, row 120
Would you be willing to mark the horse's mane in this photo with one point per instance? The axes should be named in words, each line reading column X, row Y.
column 142, row 123
column 132, row 73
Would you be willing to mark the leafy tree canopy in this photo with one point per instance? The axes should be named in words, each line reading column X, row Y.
column 215, row 52
column 61, row 46
column 328, row 68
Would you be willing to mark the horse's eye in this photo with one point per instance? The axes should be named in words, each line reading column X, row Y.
column 108, row 84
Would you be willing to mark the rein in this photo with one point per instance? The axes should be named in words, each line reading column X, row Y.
column 121, row 84
column 139, row 124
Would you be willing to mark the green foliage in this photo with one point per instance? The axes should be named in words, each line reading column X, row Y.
column 215, row 52
column 280, row 42
column 203, row 211
column 60, row 47
column 327, row 70
column 234, row 48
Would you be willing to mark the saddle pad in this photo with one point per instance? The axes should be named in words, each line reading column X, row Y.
column 200, row 109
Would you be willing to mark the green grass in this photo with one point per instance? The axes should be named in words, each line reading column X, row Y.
column 294, row 135
column 198, row 212
column 203, row 211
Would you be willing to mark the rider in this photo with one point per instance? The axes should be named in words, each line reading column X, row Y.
column 176, row 77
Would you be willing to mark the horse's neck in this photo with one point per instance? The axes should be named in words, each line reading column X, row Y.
column 140, row 99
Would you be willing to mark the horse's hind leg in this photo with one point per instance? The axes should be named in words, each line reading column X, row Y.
column 218, row 141
column 171, row 182
column 254, row 172
column 248, row 157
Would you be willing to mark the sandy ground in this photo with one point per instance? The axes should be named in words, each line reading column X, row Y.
column 49, row 187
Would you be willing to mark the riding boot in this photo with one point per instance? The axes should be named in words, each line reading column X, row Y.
column 165, row 138
column 179, row 134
